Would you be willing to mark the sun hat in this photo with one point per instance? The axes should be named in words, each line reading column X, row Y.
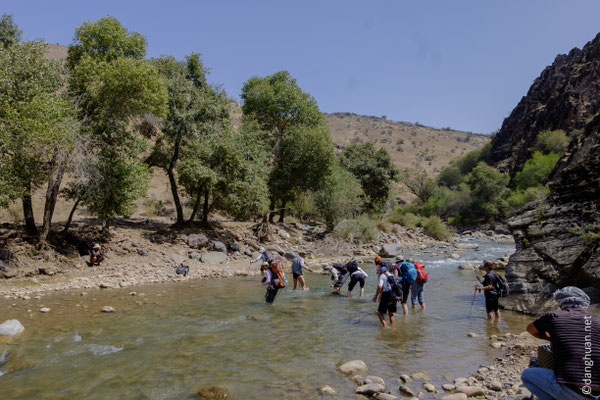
column 96, row 246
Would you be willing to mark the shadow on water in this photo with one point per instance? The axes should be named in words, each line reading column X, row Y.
column 179, row 337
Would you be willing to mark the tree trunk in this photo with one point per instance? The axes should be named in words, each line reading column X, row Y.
column 176, row 199
column 196, row 207
column 68, row 223
column 30, row 227
column 50, row 204
column 272, row 210
column 205, row 208
column 282, row 213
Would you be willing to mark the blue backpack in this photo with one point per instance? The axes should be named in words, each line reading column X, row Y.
column 408, row 271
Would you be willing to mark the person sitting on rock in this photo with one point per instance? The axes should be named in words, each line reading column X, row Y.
column 96, row 255
column 574, row 336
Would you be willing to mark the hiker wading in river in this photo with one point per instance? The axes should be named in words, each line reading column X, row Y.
column 489, row 291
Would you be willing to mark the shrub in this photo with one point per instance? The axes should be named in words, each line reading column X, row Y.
column 435, row 227
column 536, row 170
column 155, row 208
column 383, row 226
column 552, row 141
column 360, row 230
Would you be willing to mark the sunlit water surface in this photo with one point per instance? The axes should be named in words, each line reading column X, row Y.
column 179, row 337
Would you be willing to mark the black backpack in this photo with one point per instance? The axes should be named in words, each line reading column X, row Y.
column 501, row 286
column 352, row 266
column 395, row 284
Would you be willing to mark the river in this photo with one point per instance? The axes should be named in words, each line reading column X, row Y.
column 168, row 340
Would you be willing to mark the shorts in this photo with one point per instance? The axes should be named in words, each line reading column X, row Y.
column 296, row 275
column 405, row 292
column 491, row 303
column 354, row 280
column 271, row 293
column 416, row 293
column 386, row 304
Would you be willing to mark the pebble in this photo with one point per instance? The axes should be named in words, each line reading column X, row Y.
column 448, row 387
column 108, row 309
column 327, row 390
column 471, row 391
column 429, row 387
column 472, row 334
column 455, row 396
column 370, row 389
column 374, row 379
column 496, row 386
column 406, row 390
column 384, row 396
column 421, row 375
column 405, row 378
column 352, row 367
column 45, row 310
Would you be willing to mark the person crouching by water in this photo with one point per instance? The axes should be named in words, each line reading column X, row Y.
column 338, row 272
column 574, row 336
column 96, row 255
column 489, row 291
column 387, row 302
column 274, row 278
column 297, row 266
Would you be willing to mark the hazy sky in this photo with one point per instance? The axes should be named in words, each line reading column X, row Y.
column 462, row 64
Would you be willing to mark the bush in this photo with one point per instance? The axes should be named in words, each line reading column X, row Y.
column 361, row 230
column 448, row 202
column 536, row 170
column 396, row 216
column 514, row 200
column 450, row 177
column 435, row 227
column 552, row 141
column 383, row 226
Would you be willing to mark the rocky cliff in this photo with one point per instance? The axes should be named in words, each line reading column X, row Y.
column 565, row 96
column 558, row 240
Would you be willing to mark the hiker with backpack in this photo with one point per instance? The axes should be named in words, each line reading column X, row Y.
column 274, row 278
column 356, row 275
column 338, row 272
column 493, row 286
column 408, row 274
column 416, row 289
column 388, row 292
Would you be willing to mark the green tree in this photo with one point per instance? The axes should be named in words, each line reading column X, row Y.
column 118, row 93
column 278, row 105
column 419, row 184
column 487, row 185
column 450, row 177
column 536, row 170
column 340, row 197
column 304, row 163
column 37, row 130
column 195, row 108
column 555, row 141
column 9, row 31
column 374, row 169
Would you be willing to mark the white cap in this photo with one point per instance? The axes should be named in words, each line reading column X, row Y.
column 262, row 250
column 96, row 246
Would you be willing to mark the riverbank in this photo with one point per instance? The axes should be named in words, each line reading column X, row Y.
column 146, row 251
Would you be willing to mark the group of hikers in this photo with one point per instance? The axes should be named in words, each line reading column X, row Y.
column 574, row 334
column 396, row 282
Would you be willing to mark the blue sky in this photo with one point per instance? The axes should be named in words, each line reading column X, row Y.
column 460, row 64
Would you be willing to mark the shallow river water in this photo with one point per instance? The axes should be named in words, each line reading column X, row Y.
column 171, row 339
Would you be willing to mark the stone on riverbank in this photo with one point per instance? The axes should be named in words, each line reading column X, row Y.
column 45, row 310
column 370, row 389
column 327, row 390
column 213, row 257
column 219, row 246
column 429, row 387
column 352, row 367
column 405, row 390
column 384, row 396
column 358, row 380
column 197, row 241
column 421, row 375
column 405, row 378
column 177, row 259
column 448, row 387
column 214, row 392
column 11, row 328
column 390, row 250
column 455, row 396
column 374, row 379
column 108, row 309
column 471, row 391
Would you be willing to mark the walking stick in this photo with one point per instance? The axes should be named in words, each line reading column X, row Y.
column 472, row 301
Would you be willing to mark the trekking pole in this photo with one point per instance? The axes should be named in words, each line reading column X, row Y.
column 472, row 302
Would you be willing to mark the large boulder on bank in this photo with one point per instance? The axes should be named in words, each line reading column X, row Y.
column 352, row 367
column 390, row 250
column 197, row 241
column 11, row 328
column 213, row 257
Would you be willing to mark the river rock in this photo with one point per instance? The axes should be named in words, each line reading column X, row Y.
column 195, row 256
column 405, row 390
column 390, row 250
column 45, row 310
column 358, row 380
column 352, row 367
column 327, row 390
column 108, row 309
column 213, row 257
column 11, row 328
column 429, row 387
column 455, row 396
column 370, row 389
column 471, row 391
column 384, row 396
column 495, row 386
column 374, row 379
column 421, row 375
column 142, row 252
column 472, row 334
column 448, row 387
column 219, row 246
column 405, row 378
column 275, row 248
column 455, row 256
column 214, row 392
column 197, row 241
column 467, row 266
column 284, row 234
column 233, row 246
column 460, row 381
column 177, row 259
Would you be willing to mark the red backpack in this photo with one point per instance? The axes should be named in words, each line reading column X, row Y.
column 422, row 274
